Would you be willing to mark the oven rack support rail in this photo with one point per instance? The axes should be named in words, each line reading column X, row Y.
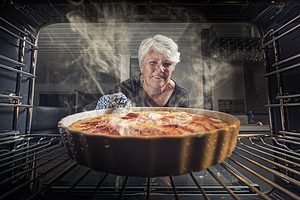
column 259, row 164
column 276, row 67
column 15, row 98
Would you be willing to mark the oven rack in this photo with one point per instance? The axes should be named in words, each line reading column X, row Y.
column 261, row 167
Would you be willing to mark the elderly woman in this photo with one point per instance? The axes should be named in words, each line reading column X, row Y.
column 158, row 57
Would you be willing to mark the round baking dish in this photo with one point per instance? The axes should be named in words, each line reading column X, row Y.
column 150, row 156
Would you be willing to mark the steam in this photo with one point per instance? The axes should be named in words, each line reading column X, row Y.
column 103, row 41
column 101, row 45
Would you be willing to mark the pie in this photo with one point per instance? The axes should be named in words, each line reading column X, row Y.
column 148, row 123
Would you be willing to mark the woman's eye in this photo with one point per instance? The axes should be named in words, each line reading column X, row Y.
column 153, row 63
column 167, row 64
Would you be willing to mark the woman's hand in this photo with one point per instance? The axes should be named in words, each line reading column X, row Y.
column 116, row 100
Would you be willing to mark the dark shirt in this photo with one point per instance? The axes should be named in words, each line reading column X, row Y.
column 133, row 90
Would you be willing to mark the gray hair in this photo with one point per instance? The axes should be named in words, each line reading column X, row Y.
column 160, row 44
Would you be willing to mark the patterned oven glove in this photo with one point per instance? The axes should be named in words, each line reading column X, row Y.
column 116, row 100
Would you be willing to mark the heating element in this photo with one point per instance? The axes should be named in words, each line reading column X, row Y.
column 35, row 165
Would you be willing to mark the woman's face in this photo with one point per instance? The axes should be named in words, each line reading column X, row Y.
column 156, row 70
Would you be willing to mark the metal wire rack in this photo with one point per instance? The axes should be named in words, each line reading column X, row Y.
column 261, row 167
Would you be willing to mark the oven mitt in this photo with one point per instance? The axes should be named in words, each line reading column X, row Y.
column 116, row 100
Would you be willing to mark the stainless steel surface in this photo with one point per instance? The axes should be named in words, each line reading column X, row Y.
column 281, row 66
column 17, row 36
column 16, row 70
column 263, row 166
column 288, row 96
column 254, row 128
column 286, row 60
column 18, row 29
column 282, row 70
column 10, row 96
column 289, row 133
column 283, row 104
column 15, row 105
column 12, row 60
column 16, row 100
column 272, row 32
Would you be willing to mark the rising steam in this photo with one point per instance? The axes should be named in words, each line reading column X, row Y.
column 104, row 40
column 101, row 46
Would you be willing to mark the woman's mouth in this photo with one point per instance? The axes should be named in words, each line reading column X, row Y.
column 158, row 77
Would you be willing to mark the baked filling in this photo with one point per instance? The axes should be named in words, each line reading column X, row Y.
column 148, row 123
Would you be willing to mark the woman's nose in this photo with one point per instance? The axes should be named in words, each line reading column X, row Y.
column 161, row 67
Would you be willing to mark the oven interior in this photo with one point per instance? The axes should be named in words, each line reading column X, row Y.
column 240, row 57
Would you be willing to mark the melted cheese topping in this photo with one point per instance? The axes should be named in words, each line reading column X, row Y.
column 149, row 123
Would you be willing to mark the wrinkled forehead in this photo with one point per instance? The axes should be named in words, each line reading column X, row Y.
column 156, row 56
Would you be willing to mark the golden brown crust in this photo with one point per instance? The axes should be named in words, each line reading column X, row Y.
column 149, row 123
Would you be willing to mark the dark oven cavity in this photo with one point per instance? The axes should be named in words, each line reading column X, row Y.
column 265, row 164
